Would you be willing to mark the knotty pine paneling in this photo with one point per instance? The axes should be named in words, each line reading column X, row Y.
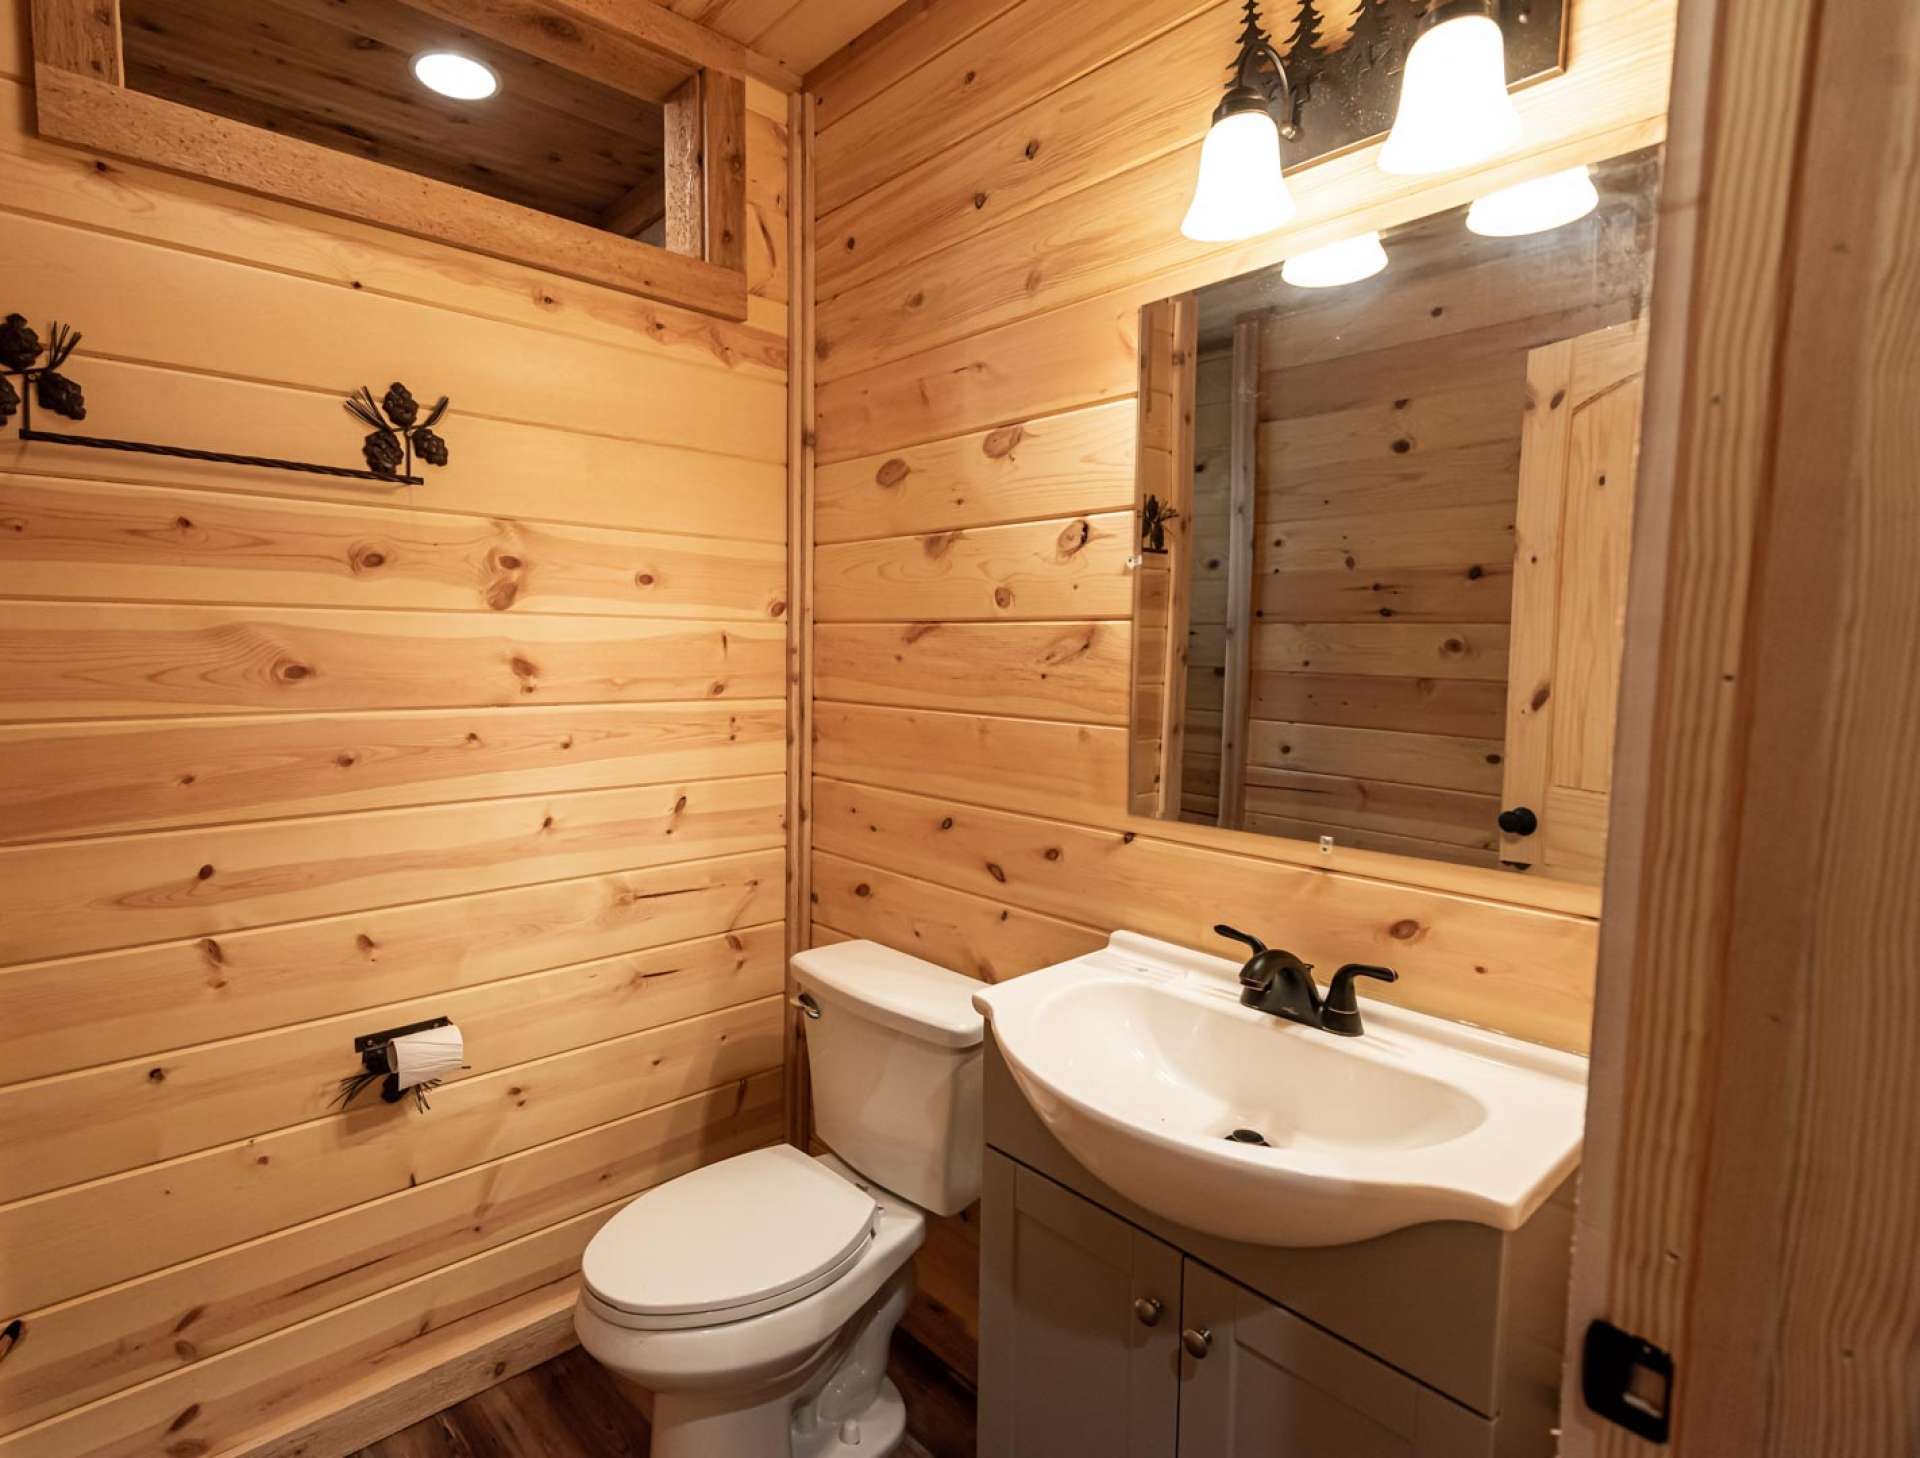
column 284, row 759
column 1000, row 190
column 141, row 774
column 112, row 1338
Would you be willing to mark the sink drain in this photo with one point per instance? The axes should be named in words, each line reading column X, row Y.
column 1248, row 1136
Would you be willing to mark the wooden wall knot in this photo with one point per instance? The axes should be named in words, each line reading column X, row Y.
column 1000, row 443
column 1074, row 536
column 937, row 544
column 1073, row 643
column 364, row 557
column 914, row 632
column 892, row 472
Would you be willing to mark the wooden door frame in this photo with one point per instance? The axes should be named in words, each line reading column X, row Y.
column 1750, row 1199
column 80, row 97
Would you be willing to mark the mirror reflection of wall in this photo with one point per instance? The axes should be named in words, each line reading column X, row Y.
column 1395, row 517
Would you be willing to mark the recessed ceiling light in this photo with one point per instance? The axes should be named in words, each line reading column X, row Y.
column 454, row 75
column 1345, row 262
column 1534, row 207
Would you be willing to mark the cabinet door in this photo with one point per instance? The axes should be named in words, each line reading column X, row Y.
column 1079, row 1325
column 1258, row 1382
column 1579, row 445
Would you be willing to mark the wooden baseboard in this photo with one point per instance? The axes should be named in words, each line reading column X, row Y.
column 440, row 1370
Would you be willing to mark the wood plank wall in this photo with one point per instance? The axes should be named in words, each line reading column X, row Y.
column 285, row 759
column 1207, row 621
column 999, row 188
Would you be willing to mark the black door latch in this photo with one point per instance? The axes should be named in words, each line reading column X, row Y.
column 1627, row 1381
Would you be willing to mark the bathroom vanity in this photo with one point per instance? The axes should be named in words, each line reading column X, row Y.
column 1108, row 1328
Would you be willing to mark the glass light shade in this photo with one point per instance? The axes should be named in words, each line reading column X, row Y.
column 451, row 74
column 1345, row 262
column 1240, row 192
column 1454, row 107
column 1546, row 202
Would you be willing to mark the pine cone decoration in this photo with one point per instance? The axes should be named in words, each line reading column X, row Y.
column 9, row 400
column 429, row 447
column 19, row 345
column 402, row 409
column 383, row 452
column 59, row 394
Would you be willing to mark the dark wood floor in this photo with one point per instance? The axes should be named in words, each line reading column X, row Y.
column 566, row 1408
column 571, row 1407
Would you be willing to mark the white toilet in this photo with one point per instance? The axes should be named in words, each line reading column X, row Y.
column 755, row 1298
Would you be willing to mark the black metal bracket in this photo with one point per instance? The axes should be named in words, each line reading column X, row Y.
column 1627, row 1380
column 1328, row 93
column 397, row 431
column 1154, row 517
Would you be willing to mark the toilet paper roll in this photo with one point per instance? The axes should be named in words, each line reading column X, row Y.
column 430, row 1054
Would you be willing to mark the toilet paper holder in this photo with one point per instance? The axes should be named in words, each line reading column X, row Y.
column 376, row 1064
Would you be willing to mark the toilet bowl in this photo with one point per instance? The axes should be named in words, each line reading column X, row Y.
column 755, row 1298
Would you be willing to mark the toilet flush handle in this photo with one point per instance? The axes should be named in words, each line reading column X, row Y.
column 804, row 1001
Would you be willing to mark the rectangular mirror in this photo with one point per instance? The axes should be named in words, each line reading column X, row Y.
column 1384, row 530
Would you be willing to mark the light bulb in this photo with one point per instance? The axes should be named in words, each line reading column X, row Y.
column 1546, row 202
column 1454, row 108
column 453, row 75
column 1241, row 191
column 1345, row 262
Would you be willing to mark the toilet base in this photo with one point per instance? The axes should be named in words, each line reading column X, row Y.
column 837, row 1403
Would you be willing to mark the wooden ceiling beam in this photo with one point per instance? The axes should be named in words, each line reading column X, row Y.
column 612, row 39
column 595, row 51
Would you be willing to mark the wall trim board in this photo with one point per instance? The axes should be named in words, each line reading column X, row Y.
column 1750, row 1194
column 801, row 437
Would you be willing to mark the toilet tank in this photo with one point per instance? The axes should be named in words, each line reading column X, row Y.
column 895, row 1061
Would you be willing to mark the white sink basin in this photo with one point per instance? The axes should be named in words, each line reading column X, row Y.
column 1141, row 1061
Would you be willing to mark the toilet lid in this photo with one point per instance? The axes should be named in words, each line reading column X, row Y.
column 747, row 1235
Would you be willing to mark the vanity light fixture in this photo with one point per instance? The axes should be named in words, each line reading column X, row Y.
column 1241, row 191
column 1345, row 262
column 1454, row 107
column 1538, row 206
column 458, row 77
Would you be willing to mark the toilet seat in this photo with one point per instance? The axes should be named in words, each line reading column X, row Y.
column 732, row 1240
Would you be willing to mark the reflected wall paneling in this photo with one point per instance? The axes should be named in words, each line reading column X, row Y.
column 284, row 759
column 999, row 186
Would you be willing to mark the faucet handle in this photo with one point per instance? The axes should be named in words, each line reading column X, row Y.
column 1340, row 1013
column 1254, row 943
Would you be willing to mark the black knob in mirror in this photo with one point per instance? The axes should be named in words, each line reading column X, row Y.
column 1519, row 821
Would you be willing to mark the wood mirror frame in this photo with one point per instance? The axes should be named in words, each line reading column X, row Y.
column 81, row 97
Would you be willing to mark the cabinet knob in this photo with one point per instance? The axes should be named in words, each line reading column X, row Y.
column 1198, row 1343
column 1519, row 821
column 1148, row 1310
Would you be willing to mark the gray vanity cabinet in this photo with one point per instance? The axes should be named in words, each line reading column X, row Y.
column 1262, row 1383
column 1080, row 1331
column 1106, row 1330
